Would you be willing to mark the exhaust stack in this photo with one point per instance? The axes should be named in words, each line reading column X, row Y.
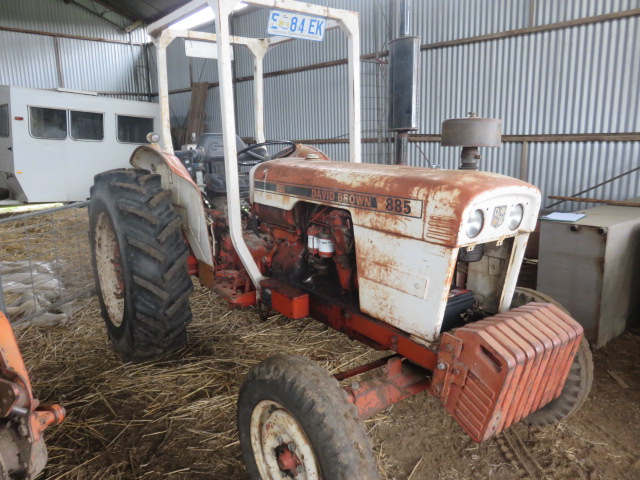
column 404, row 77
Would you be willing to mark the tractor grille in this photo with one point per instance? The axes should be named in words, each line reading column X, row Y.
column 495, row 372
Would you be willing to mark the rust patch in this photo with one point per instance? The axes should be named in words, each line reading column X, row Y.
column 441, row 228
column 205, row 275
column 397, row 199
column 305, row 151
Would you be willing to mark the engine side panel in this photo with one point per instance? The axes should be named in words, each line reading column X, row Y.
column 404, row 281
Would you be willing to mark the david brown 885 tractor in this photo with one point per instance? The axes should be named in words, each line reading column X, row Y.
column 417, row 261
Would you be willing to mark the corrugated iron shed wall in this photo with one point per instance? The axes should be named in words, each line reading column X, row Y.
column 183, row 71
column 578, row 79
column 107, row 59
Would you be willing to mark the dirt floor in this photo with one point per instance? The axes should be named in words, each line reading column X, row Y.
column 175, row 419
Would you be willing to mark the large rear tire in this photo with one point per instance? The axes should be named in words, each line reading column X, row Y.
column 139, row 261
column 295, row 421
column 578, row 385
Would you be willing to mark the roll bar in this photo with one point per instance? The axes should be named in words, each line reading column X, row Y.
column 347, row 21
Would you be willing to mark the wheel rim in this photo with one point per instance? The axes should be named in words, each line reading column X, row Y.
column 109, row 265
column 280, row 446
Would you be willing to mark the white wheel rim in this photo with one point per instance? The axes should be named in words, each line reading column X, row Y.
column 272, row 429
column 109, row 264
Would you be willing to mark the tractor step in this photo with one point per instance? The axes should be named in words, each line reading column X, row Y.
column 495, row 372
column 285, row 299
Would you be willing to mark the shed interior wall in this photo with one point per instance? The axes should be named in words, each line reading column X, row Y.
column 512, row 59
column 76, row 45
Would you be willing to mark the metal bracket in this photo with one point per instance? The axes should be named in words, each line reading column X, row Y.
column 401, row 379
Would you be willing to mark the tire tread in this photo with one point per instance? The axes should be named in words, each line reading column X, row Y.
column 578, row 384
column 155, row 252
column 339, row 437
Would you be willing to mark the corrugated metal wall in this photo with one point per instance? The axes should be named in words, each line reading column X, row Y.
column 27, row 61
column 578, row 80
column 583, row 79
column 182, row 72
column 57, row 16
column 31, row 60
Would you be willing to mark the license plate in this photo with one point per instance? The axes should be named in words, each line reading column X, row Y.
column 296, row 25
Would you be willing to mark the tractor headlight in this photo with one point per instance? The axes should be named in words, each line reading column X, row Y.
column 474, row 223
column 515, row 216
column 153, row 137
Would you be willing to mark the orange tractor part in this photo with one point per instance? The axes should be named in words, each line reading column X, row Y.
column 488, row 374
column 23, row 419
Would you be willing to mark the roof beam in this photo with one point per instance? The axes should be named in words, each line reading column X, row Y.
column 156, row 27
column 103, row 15
column 117, row 8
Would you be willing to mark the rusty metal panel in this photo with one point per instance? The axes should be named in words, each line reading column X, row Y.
column 497, row 371
column 397, row 278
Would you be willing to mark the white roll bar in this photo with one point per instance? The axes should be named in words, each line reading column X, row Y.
column 346, row 20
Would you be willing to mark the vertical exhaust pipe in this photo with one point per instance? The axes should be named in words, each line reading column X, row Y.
column 404, row 77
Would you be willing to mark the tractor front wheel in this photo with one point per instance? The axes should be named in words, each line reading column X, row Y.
column 578, row 385
column 139, row 259
column 295, row 421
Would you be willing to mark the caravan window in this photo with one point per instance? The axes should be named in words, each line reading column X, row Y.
column 4, row 120
column 48, row 123
column 134, row 129
column 87, row 126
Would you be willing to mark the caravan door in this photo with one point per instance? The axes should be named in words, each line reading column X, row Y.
column 9, row 187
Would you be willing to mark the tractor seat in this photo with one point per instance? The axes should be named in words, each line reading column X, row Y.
column 216, row 184
column 214, row 178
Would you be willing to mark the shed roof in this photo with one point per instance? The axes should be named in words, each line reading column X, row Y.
column 147, row 11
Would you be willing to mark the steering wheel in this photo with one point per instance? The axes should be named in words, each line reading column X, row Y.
column 291, row 147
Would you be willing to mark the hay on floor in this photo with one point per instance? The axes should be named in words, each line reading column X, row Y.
column 174, row 418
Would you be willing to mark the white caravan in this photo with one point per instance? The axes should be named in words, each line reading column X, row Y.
column 52, row 143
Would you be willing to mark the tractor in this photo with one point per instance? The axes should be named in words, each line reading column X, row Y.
column 419, row 262
column 23, row 419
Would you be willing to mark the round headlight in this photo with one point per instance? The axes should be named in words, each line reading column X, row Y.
column 515, row 216
column 153, row 137
column 475, row 223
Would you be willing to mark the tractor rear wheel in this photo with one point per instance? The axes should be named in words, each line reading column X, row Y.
column 295, row 421
column 139, row 259
column 578, row 385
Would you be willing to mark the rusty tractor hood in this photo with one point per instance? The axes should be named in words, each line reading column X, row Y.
column 409, row 201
